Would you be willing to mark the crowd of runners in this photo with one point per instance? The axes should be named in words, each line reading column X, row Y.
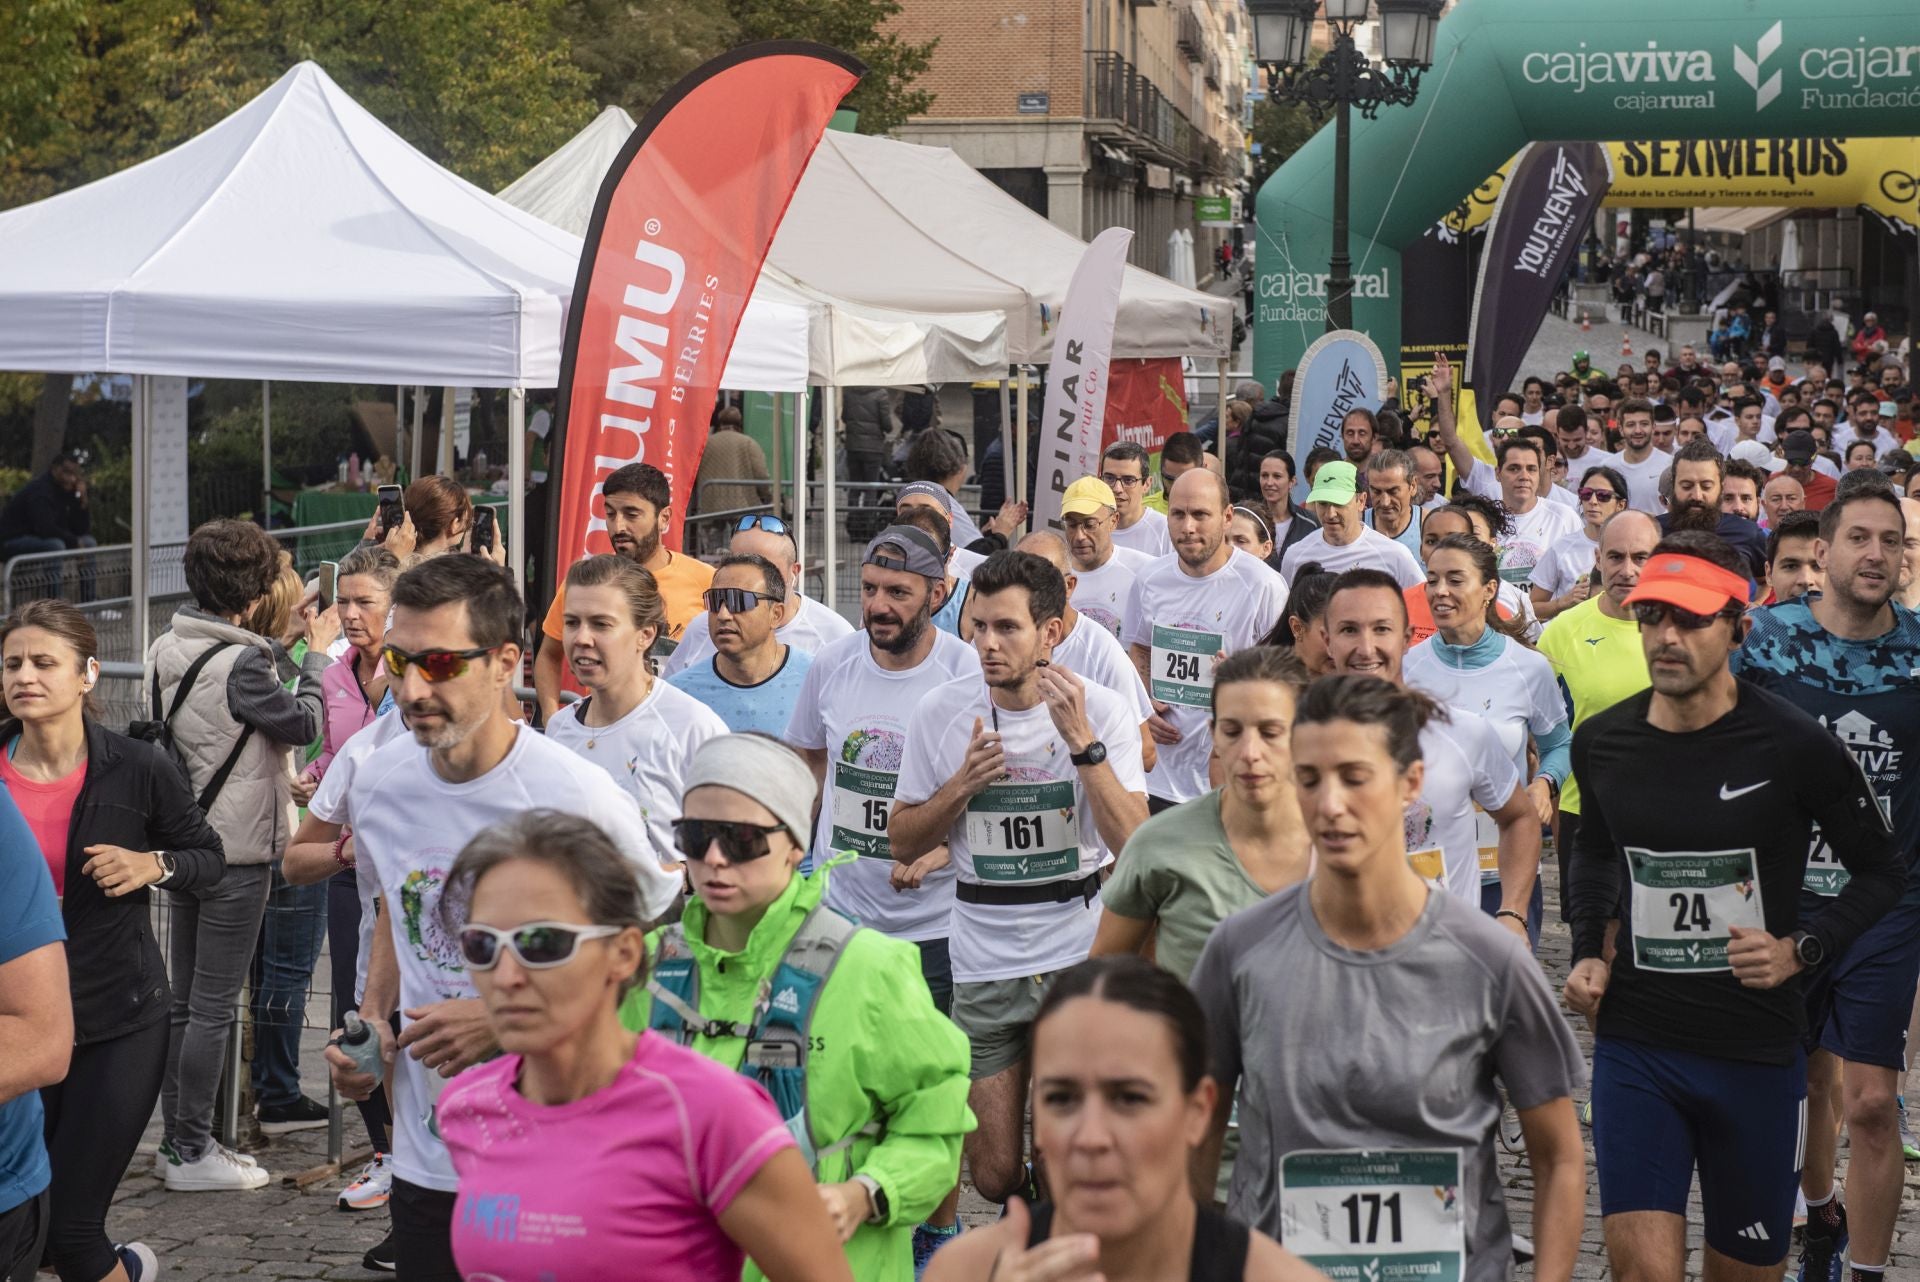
column 1172, row 879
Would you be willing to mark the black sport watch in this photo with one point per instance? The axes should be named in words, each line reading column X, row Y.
column 1095, row 753
column 1808, row 949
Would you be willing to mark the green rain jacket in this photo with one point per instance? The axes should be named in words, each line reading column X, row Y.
column 884, row 1054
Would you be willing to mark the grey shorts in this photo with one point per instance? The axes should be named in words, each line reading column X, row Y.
column 997, row 1017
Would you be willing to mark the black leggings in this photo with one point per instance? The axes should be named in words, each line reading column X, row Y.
column 95, row 1119
column 343, row 953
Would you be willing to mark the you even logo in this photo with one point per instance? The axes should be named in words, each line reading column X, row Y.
column 1748, row 68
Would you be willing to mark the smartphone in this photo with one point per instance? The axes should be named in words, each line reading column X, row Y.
column 1594, row 580
column 329, row 579
column 486, row 529
column 392, row 509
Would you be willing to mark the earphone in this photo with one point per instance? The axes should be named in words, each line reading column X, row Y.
column 93, row 671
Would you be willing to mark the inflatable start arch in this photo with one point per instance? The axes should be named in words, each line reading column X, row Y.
column 1508, row 72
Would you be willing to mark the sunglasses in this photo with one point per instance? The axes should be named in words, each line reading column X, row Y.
column 538, row 945
column 734, row 600
column 435, row 665
column 1652, row 614
column 740, row 842
column 1590, row 495
column 764, row 521
column 1119, row 482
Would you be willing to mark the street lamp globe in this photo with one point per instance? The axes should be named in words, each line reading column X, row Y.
column 1282, row 31
column 1347, row 13
column 1406, row 31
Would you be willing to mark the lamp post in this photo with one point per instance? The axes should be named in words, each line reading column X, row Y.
column 1343, row 79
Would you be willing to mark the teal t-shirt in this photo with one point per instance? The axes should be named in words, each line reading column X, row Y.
column 1178, row 869
column 765, row 707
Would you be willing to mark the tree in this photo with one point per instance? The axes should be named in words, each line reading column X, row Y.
column 1281, row 129
column 39, row 52
column 632, row 53
column 885, row 97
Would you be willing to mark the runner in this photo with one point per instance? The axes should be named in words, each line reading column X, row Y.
column 832, row 1018
column 1637, row 460
column 1474, row 664
column 1354, row 1013
column 1563, row 578
column 1288, row 523
column 1391, row 486
column 1697, row 1053
column 1247, row 529
column 753, row 676
column 1466, row 764
column 1188, row 868
column 1528, row 494
column 635, row 727
column 1570, row 433
column 1033, row 779
column 808, row 628
column 1124, row 469
column 1780, row 497
column 1206, row 599
column 1103, row 570
column 701, row 1172
column 951, row 615
column 1121, row 1099
column 1344, row 541
column 451, row 651
column 638, row 501
column 1793, row 558
column 1480, row 517
column 1595, row 652
column 1909, row 593
column 1846, row 658
column 1298, row 629
column 1693, row 494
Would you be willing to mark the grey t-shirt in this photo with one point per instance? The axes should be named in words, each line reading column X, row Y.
column 1396, row 1048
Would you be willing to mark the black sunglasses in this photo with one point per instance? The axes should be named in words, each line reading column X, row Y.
column 735, row 600
column 764, row 521
column 1652, row 614
column 1590, row 494
column 740, row 842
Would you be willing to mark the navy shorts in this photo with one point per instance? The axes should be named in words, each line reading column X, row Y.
column 936, row 967
column 1858, row 1007
column 1659, row 1113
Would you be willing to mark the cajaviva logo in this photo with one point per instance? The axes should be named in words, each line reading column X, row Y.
column 1749, row 68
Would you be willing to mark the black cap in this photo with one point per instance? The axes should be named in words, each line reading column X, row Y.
column 1799, row 448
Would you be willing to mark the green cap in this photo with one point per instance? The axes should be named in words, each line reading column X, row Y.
column 1335, row 483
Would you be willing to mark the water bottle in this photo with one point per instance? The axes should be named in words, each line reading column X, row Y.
column 361, row 1044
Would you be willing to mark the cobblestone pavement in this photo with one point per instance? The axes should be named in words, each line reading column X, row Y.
column 284, row 1231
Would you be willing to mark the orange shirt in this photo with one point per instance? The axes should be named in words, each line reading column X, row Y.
column 682, row 581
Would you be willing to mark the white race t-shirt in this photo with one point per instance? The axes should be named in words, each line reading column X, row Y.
column 1484, row 481
column 1094, row 654
column 1577, row 468
column 1147, row 536
column 1034, row 826
column 965, row 561
column 1569, row 559
column 1517, row 693
column 1643, row 479
column 1184, row 621
column 330, row 804
column 857, row 711
column 1533, row 533
column 1373, row 550
column 1102, row 594
column 409, row 825
column 1465, row 766
column 646, row 753
column 808, row 630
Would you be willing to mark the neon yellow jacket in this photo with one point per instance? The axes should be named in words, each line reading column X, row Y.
column 885, row 1054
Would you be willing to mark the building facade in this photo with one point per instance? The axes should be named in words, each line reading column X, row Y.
column 1094, row 113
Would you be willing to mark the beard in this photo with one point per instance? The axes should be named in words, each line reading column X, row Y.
column 910, row 631
column 1693, row 515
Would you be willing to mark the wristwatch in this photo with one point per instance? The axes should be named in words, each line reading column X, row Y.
column 165, row 861
column 875, row 1195
column 1808, row 949
column 1095, row 753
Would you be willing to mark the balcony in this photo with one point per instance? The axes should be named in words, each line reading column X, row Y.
column 1118, row 92
column 1213, row 72
column 1188, row 34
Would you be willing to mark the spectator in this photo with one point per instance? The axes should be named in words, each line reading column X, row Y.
column 438, row 514
column 1772, row 339
column 49, row 513
column 731, row 455
column 1870, row 341
column 938, row 458
column 866, row 413
column 235, row 725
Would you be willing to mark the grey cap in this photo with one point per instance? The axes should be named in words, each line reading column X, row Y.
column 909, row 548
column 938, row 493
column 766, row 770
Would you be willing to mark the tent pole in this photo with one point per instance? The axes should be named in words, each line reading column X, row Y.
column 1020, row 437
column 443, row 463
column 1220, row 430
column 799, row 511
column 266, row 453
column 774, row 439
column 829, row 436
column 419, row 431
column 138, row 553
column 1006, row 438
column 517, row 485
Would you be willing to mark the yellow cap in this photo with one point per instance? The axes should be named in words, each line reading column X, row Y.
column 1086, row 496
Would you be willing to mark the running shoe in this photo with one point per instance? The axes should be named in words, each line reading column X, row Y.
column 1908, row 1144
column 927, row 1239
column 218, row 1170
column 164, row 1156
column 1586, row 1113
column 138, row 1259
column 1824, row 1249
column 1522, row 1249
column 369, row 1189
column 1512, row 1138
column 302, row 1115
column 380, row 1258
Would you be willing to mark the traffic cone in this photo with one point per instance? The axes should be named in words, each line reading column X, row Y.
column 1585, row 324
column 1626, row 347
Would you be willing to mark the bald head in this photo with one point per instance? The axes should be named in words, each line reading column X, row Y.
column 1632, row 525
column 1200, row 487
column 777, row 548
column 1509, row 423
column 1048, row 545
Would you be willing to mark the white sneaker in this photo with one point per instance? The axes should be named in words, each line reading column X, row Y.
column 138, row 1259
column 164, row 1156
column 219, row 1169
column 371, row 1188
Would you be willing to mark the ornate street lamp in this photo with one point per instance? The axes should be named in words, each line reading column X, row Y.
column 1343, row 79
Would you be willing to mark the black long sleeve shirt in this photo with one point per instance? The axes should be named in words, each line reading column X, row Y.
column 1659, row 807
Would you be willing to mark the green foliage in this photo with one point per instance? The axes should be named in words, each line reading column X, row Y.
column 886, row 97
column 38, row 54
column 1281, row 129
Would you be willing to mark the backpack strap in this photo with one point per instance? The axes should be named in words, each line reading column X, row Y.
column 187, row 679
column 212, row 791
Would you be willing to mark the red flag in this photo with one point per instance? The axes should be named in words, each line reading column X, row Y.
column 679, row 232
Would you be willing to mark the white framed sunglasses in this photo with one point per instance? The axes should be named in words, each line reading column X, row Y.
column 537, row 945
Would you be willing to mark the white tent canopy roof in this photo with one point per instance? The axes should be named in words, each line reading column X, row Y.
column 299, row 238
column 893, row 224
column 791, row 335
